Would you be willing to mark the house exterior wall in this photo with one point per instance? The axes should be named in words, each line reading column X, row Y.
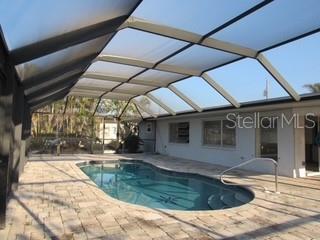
column 245, row 144
column 147, row 133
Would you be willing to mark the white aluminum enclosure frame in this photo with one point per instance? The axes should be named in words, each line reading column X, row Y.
column 231, row 50
column 174, row 33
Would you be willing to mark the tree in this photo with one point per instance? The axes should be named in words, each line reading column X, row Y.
column 313, row 88
column 79, row 121
column 111, row 108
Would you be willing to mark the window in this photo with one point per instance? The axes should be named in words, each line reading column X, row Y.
column 267, row 139
column 229, row 134
column 179, row 132
column 219, row 133
column 212, row 133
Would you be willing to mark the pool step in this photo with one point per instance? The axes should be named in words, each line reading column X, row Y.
column 227, row 200
column 214, row 202
column 242, row 198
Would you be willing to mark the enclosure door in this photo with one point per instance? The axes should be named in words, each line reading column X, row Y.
column 312, row 131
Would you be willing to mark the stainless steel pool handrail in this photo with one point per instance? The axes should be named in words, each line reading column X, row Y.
column 275, row 163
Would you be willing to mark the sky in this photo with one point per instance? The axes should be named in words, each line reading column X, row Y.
column 246, row 79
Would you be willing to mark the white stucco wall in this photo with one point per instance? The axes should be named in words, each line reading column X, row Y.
column 147, row 132
column 245, row 147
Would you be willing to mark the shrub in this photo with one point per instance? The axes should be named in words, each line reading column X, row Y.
column 132, row 143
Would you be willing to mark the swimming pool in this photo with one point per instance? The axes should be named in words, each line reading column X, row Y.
column 141, row 183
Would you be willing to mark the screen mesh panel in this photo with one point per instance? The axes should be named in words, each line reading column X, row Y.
column 78, row 105
column 114, row 69
column 170, row 99
column 192, row 15
column 26, row 22
column 142, row 45
column 149, row 106
column 143, row 113
column 86, row 92
column 118, row 96
column 274, row 23
column 270, row 51
column 60, row 58
column 259, row 83
column 156, row 77
column 130, row 88
column 131, row 113
column 94, row 83
column 200, row 92
column 298, row 62
column 201, row 58
column 110, row 107
column 52, row 81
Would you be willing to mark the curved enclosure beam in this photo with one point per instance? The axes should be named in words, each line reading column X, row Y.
column 147, row 65
column 171, row 69
column 220, row 90
column 39, row 49
column 167, row 31
column 227, row 44
column 185, row 98
column 124, row 60
column 57, row 71
column 53, row 87
column 277, row 76
column 161, row 104
column 51, row 98
column 144, row 109
column 118, row 79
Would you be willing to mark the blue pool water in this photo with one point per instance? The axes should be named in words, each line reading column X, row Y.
column 144, row 184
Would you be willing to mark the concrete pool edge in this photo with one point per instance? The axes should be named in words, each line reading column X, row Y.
column 252, row 191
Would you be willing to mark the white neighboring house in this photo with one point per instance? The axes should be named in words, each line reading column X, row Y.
column 110, row 131
column 204, row 137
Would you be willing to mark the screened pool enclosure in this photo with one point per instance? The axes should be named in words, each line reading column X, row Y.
column 156, row 60
column 165, row 57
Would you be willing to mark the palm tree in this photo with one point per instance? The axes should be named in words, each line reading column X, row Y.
column 313, row 88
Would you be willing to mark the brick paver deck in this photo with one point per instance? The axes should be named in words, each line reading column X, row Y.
column 56, row 200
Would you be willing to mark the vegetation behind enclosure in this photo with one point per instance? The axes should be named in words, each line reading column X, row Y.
column 73, row 123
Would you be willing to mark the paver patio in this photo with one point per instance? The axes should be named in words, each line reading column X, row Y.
column 56, row 200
